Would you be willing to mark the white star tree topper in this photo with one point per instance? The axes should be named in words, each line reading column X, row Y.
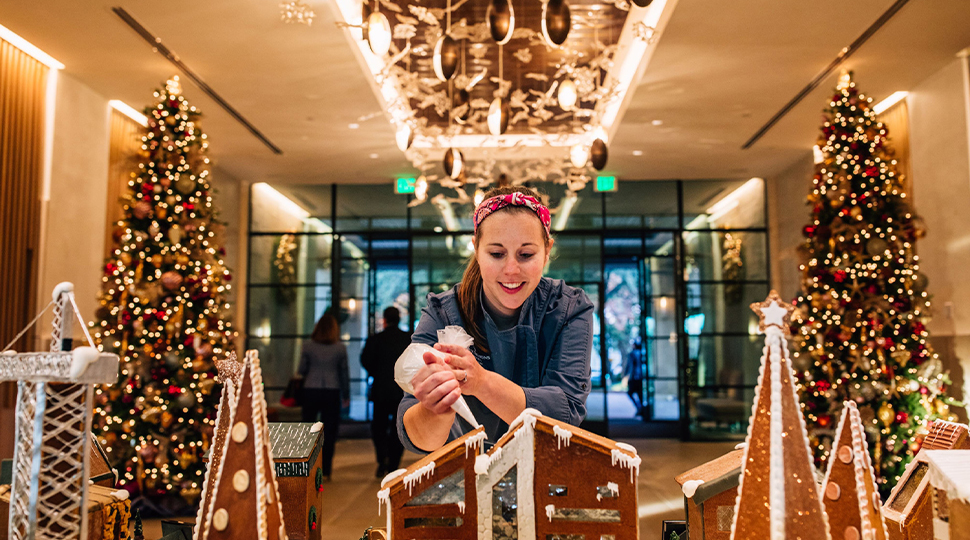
column 773, row 312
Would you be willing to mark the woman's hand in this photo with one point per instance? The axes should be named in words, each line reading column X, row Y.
column 436, row 386
column 468, row 372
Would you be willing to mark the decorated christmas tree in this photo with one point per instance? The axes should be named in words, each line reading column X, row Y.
column 164, row 311
column 860, row 329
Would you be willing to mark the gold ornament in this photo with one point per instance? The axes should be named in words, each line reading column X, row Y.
column 886, row 414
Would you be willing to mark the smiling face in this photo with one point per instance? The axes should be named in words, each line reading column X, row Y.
column 512, row 251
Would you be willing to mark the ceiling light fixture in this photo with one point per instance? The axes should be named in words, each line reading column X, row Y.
column 453, row 163
column 555, row 22
column 378, row 34
column 29, row 48
column 567, row 96
column 598, row 154
column 128, row 111
column 498, row 117
column 578, row 155
column 887, row 103
column 353, row 126
column 404, row 137
column 501, row 20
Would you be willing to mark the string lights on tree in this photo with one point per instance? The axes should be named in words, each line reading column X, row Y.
column 163, row 309
column 861, row 316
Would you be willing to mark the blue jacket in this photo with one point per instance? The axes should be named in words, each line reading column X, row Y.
column 547, row 354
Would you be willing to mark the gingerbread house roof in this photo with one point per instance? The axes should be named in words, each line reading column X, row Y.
column 567, row 433
column 945, row 435
column 777, row 494
column 950, row 471
column 401, row 479
column 714, row 477
column 295, row 446
column 851, row 498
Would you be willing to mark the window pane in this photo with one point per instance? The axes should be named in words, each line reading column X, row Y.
column 714, row 256
column 724, row 308
column 638, row 204
column 368, row 207
column 575, row 259
column 724, row 204
column 276, row 311
column 290, row 208
column 288, row 259
column 724, row 360
column 449, row 490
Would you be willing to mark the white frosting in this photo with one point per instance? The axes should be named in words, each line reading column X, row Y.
column 776, row 472
column 481, row 464
column 418, row 475
column 474, row 442
column 528, row 417
column 626, row 461
column 81, row 358
column 614, row 490
column 690, row 487
column 562, row 436
column 461, row 506
column 316, row 427
column 740, row 446
column 383, row 496
column 392, row 475
column 120, row 494
column 550, row 510
column 627, row 447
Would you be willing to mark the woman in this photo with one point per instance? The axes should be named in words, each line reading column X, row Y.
column 532, row 335
column 326, row 382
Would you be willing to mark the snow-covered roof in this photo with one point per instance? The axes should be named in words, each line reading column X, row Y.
column 950, row 471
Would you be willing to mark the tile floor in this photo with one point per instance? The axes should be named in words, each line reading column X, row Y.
column 350, row 499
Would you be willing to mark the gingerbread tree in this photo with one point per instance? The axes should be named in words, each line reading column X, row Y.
column 851, row 497
column 245, row 479
column 777, row 496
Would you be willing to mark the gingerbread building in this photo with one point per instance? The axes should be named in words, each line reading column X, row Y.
column 298, row 461
column 777, row 495
column 908, row 509
column 849, row 491
column 710, row 493
column 949, row 480
column 542, row 479
column 245, row 480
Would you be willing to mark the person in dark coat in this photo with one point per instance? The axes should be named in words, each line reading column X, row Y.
column 326, row 386
column 378, row 357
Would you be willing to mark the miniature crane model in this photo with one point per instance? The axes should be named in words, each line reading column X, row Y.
column 52, row 445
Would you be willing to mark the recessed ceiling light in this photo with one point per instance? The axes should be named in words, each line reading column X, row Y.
column 638, row 152
column 374, row 156
column 353, row 126
column 657, row 122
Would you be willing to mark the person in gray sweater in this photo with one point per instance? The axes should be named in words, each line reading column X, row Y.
column 326, row 382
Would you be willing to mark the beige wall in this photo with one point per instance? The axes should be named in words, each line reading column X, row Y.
column 72, row 241
column 788, row 213
column 941, row 193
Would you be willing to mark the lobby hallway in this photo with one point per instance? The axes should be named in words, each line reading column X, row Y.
column 350, row 499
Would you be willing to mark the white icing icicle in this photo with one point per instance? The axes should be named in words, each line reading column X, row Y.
column 475, row 441
column 562, row 436
column 528, row 417
column 550, row 510
column 481, row 464
column 461, row 506
column 626, row 461
column 415, row 477
column 382, row 497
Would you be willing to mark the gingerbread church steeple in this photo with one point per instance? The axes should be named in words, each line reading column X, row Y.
column 849, row 491
column 245, row 500
column 777, row 496
column 230, row 375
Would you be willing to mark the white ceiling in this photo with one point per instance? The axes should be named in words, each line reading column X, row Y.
column 721, row 70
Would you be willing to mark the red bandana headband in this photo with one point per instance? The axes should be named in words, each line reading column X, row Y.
column 499, row 202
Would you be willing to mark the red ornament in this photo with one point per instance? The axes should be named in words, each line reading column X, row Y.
column 141, row 209
column 824, row 420
column 902, row 417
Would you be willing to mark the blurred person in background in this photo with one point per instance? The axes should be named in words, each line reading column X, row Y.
column 378, row 357
column 326, row 382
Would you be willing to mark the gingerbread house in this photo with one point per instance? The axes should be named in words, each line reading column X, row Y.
column 851, row 499
column 949, row 479
column 908, row 509
column 777, row 494
column 298, row 461
column 245, row 479
column 710, row 492
column 543, row 479
column 108, row 513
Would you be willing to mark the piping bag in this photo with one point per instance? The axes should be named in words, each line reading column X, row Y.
column 411, row 361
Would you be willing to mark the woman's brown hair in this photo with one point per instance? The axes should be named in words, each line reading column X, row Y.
column 468, row 293
column 327, row 330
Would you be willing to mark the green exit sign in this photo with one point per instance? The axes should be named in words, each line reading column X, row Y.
column 605, row 183
column 404, row 185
